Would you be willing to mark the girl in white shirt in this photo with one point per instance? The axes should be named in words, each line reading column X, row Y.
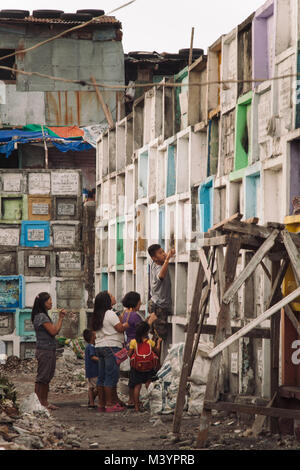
column 109, row 340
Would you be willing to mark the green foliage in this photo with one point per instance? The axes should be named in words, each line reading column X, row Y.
column 7, row 390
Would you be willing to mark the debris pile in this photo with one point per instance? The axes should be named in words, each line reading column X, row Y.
column 162, row 394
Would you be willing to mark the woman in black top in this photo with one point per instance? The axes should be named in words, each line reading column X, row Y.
column 45, row 345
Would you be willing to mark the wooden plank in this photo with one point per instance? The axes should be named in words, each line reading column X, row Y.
column 223, row 323
column 252, row 409
column 293, row 253
column 248, row 229
column 104, row 106
column 209, row 277
column 192, row 328
column 266, row 270
column 255, row 333
column 214, row 241
column 290, row 314
column 255, row 322
column 251, row 266
column 219, row 225
column 276, row 295
column 203, row 307
column 260, row 419
column 220, row 270
column 252, row 220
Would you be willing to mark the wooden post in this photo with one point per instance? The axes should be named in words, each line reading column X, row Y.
column 192, row 328
column 191, row 47
column 275, row 344
column 223, row 324
column 104, row 106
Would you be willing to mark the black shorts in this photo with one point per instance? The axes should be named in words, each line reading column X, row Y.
column 136, row 377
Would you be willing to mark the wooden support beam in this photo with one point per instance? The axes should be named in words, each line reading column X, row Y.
column 248, row 229
column 260, row 419
column 219, row 225
column 252, row 220
column 252, row 409
column 209, row 277
column 192, row 328
column 264, row 316
column 266, row 271
column 220, row 270
column 214, row 241
column 290, row 314
column 104, row 106
column 223, row 324
column 255, row 333
column 251, row 266
column 293, row 253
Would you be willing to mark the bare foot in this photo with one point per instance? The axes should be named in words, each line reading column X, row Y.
column 52, row 407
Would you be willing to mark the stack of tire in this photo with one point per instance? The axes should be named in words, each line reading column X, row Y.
column 80, row 15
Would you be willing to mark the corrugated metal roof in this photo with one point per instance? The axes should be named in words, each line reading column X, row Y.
column 31, row 19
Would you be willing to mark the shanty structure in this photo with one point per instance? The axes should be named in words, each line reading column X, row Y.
column 218, row 283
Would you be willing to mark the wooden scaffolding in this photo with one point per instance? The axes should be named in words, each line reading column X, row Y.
column 217, row 283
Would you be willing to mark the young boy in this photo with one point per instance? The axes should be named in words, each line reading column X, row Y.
column 91, row 366
column 160, row 302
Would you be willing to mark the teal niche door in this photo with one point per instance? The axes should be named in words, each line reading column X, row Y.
column 120, row 244
column 161, row 239
column 243, row 133
column 205, row 196
column 171, row 175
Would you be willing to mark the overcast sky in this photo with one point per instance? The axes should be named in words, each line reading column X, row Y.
column 161, row 25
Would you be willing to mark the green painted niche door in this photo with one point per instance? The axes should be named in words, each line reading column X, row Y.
column 120, row 244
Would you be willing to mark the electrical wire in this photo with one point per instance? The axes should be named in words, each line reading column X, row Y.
column 108, row 87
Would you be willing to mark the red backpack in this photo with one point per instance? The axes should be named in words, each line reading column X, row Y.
column 144, row 359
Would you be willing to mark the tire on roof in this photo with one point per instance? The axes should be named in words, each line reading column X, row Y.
column 76, row 17
column 94, row 13
column 14, row 13
column 47, row 13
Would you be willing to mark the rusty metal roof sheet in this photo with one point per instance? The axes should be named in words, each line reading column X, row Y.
column 30, row 19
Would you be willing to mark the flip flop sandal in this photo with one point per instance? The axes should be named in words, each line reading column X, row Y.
column 129, row 406
column 114, row 409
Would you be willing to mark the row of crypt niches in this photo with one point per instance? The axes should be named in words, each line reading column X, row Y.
column 40, row 250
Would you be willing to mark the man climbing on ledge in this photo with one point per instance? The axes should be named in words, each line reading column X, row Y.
column 160, row 301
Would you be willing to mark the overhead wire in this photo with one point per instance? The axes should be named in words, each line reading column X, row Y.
column 110, row 87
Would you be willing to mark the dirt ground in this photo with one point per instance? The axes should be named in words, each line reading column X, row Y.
column 129, row 430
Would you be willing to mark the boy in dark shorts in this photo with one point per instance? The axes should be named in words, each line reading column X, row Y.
column 160, row 302
column 91, row 366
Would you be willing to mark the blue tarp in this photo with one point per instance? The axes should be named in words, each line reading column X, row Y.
column 8, row 138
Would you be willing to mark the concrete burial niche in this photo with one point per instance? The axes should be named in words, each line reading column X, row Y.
column 24, row 326
column 39, row 183
column 70, row 294
column 9, row 236
column 66, row 208
column 8, row 262
column 143, row 175
column 243, row 133
column 65, row 183
column 253, row 196
column 120, row 243
column 69, row 264
column 13, row 182
column 39, row 207
column 13, row 208
column 206, row 204
column 11, row 292
column 171, row 170
column 227, row 144
column 35, row 234
column 27, row 350
column 33, row 262
column 263, row 42
column 7, row 323
column 65, row 235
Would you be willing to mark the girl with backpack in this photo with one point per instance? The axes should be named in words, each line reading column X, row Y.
column 143, row 355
